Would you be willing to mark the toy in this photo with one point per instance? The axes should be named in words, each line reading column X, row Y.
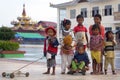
column 67, row 44
column 18, row 72
column 12, row 75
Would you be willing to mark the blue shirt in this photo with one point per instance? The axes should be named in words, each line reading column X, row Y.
column 81, row 57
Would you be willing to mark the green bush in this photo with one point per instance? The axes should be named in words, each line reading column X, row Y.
column 8, row 45
column 6, row 33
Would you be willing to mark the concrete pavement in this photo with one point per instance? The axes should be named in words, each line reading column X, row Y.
column 36, row 70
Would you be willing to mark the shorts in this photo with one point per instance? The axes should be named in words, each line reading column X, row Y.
column 51, row 63
column 96, row 55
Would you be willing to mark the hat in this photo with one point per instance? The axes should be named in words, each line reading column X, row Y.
column 46, row 30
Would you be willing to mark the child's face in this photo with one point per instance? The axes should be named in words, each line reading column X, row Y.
column 67, row 27
column 96, row 31
column 80, row 20
column 81, row 50
column 50, row 32
column 110, row 36
column 97, row 20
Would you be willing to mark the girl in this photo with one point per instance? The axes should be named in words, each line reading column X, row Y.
column 96, row 44
column 50, row 49
column 109, row 52
column 97, row 20
column 66, row 50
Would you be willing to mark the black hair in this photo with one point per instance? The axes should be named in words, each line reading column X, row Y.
column 79, row 45
column 98, row 15
column 79, row 16
column 107, row 33
column 65, row 22
column 96, row 26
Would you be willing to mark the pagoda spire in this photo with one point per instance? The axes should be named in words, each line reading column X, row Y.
column 24, row 12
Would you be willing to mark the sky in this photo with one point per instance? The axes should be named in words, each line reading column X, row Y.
column 38, row 10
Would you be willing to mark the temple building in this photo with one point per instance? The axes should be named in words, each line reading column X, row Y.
column 24, row 23
column 109, row 10
column 28, row 31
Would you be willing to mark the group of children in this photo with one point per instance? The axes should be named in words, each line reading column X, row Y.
column 74, row 42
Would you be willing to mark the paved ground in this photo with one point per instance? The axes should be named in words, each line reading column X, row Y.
column 36, row 70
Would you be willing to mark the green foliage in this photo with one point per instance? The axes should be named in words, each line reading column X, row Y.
column 6, row 33
column 8, row 45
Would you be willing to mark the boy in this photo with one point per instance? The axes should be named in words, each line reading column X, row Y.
column 80, row 31
column 80, row 60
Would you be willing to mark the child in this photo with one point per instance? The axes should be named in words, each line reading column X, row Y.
column 97, row 20
column 66, row 25
column 66, row 47
column 50, row 49
column 80, row 60
column 80, row 31
column 109, row 51
column 96, row 44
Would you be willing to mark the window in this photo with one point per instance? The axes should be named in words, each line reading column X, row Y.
column 84, row 12
column 108, row 28
column 108, row 10
column 118, row 7
column 62, row 13
column 95, row 11
column 72, row 14
column 117, row 28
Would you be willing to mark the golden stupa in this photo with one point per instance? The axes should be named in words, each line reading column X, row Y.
column 25, row 23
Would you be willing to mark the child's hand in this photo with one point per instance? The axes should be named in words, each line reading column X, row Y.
column 112, row 37
column 95, row 49
column 114, row 43
column 88, row 45
column 45, row 54
column 49, row 41
column 75, row 60
column 87, row 67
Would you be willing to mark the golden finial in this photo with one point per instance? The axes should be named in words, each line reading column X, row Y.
column 24, row 12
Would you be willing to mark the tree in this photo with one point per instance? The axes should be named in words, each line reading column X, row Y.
column 6, row 33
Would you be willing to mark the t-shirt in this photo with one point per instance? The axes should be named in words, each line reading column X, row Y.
column 102, row 30
column 109, row 49
column 95, row 42
column 80, row 34
column 65, row 33
column 81, row 57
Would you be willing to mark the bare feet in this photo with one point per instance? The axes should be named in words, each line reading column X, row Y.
column 101, row 72
column 93, row 73
column 53, row 74
column 62, row 72
column 113, row 72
